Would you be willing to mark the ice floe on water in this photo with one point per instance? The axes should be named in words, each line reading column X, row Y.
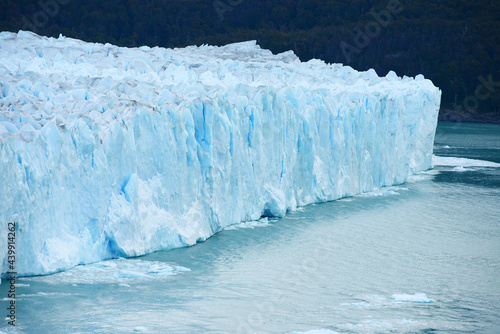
column 415, row 298
column 423, row 176
column 462, row 169
column 437, row 146
column 263, row 222
column 119, row 271
column 461, row 162
column 140, row 329
column 385, row 191
column 371, row 321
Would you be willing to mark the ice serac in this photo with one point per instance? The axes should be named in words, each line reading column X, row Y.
column 109, row 151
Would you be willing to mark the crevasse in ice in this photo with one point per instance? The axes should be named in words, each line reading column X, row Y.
column 108, row 151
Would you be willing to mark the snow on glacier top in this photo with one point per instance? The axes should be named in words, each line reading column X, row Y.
column 61, row 80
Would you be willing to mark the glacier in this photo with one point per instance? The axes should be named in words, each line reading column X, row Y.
column 109, row 152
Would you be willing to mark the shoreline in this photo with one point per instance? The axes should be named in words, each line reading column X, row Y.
column 449, row 115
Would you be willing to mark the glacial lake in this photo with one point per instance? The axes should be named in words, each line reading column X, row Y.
column 422, row 257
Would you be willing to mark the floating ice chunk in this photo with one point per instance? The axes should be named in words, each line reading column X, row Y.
column 120, row 271
column 422, row 176
column 156, row 268
column 45, row 294
column 179, row 268
column 386, row 191
column 163, row 270
column 462, row 169
column 105, row 264
column 461, row 162
column 131, row 274
column 415, row 298
column 264, row 222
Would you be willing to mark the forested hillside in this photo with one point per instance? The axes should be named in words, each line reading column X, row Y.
column 455, row 43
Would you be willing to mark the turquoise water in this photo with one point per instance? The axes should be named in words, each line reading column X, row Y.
column 343, row 266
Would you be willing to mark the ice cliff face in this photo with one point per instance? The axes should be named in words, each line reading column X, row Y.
column 109, row 151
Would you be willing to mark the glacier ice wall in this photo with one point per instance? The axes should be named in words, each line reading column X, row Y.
column 109, row 151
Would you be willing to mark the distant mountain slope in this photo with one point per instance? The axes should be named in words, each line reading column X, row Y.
column 452, row 42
